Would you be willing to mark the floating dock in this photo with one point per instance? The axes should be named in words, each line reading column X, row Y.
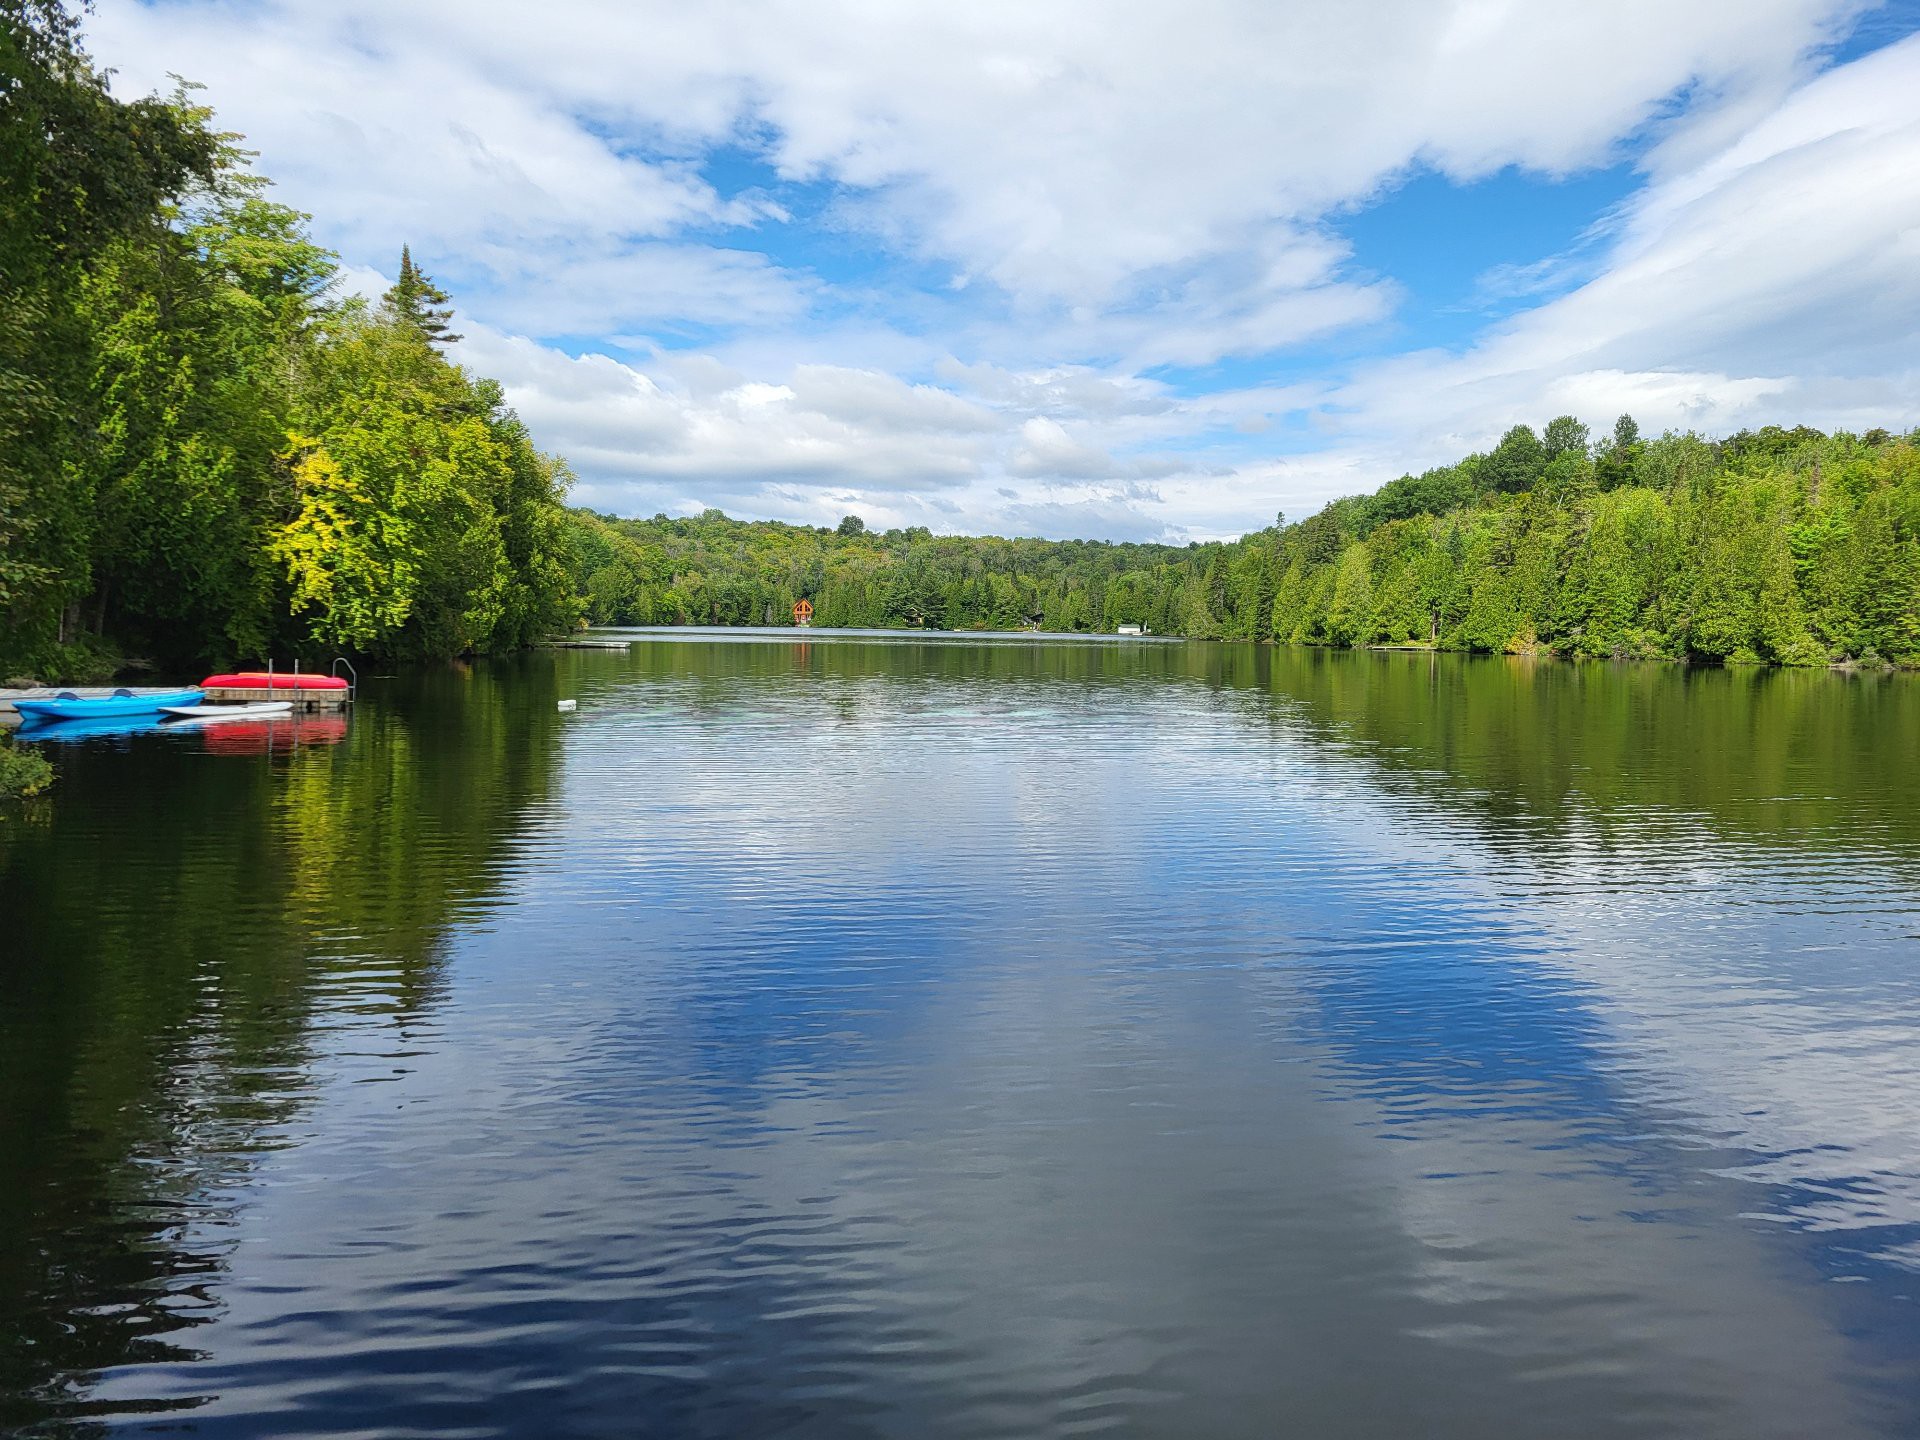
column 311, row 691
column 301, row 699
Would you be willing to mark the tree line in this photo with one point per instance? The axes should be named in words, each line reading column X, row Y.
column 1772, row 546
column 206, row 453
column 712, row 570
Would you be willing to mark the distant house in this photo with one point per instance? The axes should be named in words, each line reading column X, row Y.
column 1131, row 630
column 803, row 612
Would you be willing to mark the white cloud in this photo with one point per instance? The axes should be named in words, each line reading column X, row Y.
column 680, row 423
column 1065, row 151
column 1100, row 192
column 1737, row 291
column 598, row 291
column 1047, row 451
column 871, row 400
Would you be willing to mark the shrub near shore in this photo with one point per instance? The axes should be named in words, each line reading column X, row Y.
column 22, row 772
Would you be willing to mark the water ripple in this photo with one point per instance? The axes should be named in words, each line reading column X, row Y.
column 903, row 1039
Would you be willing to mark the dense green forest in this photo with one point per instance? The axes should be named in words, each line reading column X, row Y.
column 710, row 570
column 205, row 454
column 1784, row 546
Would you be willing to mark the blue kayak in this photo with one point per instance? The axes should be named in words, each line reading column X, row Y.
column 69, row 706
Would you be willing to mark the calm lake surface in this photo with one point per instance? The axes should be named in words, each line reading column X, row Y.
column 842, row 1038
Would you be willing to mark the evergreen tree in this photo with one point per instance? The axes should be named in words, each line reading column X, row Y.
column 1618, row 454
column 415, row 300
column 1350, row 615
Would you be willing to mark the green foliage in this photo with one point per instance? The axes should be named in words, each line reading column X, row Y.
column 1433, row 493
column 1564, row 435
column 202, row 454
column 1516, row 463
column 80, row 173
column 22, row 772
column 1617, row 456
column 415, row 301
column 711, row 570
column 424, row 523
column 1784, row 547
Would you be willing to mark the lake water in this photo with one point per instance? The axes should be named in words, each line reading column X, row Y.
column 842, row 1038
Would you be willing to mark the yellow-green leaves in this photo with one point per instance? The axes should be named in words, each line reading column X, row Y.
column 424, row 522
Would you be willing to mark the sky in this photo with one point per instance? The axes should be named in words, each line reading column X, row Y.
column 1096, row 268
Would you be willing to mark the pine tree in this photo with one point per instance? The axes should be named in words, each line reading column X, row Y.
column 417, row 301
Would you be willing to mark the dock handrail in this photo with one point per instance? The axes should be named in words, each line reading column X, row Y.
column 353, row 680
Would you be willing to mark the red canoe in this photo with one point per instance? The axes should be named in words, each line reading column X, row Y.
column 260, row 680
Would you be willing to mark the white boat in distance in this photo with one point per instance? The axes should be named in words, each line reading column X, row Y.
column 214, row 714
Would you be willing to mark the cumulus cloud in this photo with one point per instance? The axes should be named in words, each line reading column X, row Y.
column 1773, row 279
column 950, row 263
column 697, row 423
column 590, row 290
column 871, row 400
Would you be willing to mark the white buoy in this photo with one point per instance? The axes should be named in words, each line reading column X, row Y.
column 569, row 704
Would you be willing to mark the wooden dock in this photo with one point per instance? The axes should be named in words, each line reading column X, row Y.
column 288, row 687
column 300, row 699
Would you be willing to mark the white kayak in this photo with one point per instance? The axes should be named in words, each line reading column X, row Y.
column 214, row 714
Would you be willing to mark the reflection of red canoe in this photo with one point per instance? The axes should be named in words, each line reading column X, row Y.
column 258, row 737
column 260, row 680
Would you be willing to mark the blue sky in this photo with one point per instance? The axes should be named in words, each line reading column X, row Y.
column 1129, row 272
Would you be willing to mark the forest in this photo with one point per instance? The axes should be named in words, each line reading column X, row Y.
column 206, row 453
column 1775, row 546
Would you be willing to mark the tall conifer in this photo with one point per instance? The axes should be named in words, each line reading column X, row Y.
column 416, row 300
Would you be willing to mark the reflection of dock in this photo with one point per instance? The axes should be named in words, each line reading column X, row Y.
column 275, row 734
